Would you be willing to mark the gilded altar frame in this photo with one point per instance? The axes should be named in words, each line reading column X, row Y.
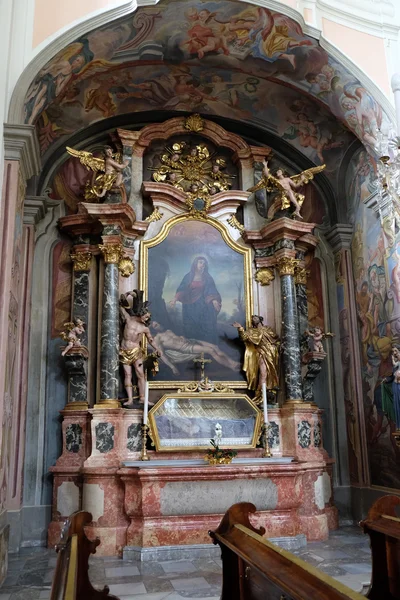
column 246, row 255
column 203, row 397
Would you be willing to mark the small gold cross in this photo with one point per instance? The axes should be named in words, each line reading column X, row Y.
column 202, row 362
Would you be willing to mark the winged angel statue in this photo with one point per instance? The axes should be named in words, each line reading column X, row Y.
column 107, row 172
column 286, row 186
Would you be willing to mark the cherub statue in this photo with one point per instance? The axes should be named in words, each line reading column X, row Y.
column 219, row 179
column 107, row 172
column 286, row 185
column 74, row 329
column 316, row 337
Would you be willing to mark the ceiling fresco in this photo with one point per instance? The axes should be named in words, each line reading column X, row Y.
column 222, row 58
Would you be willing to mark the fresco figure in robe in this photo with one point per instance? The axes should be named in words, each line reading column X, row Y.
column 261, row 359
column 201, row 302
column 391, row 391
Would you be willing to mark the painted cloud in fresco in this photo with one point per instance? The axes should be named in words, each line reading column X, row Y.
column 212, row 57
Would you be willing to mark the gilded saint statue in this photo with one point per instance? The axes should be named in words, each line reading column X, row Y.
column 286, row 186
column 132, row 354
column 261, row 359
column 107, row 172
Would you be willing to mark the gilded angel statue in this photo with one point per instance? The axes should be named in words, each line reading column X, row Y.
column 286, row 186
column 107, row 172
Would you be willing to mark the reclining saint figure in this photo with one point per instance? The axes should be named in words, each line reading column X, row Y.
column 175, row 349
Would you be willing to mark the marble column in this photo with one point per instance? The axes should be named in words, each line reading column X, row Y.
column 290, row 330
column 81, row 259
column 300, row 280
column 109, row 343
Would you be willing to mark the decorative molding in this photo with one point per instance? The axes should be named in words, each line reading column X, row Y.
column 126, row 266
column 340, row 236
column 21, row 144
column 264, row 276
column 35, row 209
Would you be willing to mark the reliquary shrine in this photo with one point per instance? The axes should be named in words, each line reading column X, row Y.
column 191, row 338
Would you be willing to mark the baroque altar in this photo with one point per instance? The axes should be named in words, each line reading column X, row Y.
column 168, row 226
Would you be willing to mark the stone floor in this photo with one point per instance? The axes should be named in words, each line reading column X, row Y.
column 345, row 556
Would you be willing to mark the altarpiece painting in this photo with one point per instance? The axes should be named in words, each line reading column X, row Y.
column 198, row 283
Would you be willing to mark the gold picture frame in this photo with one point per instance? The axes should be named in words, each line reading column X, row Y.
column 186, row 415
column 146, row 247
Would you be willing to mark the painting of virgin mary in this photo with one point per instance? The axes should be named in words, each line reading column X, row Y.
column 197, row 284
column 201, row 302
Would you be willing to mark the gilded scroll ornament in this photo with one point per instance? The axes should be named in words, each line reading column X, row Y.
column 233, row 222
column 301, row 275
column 126, row 266
column 264, row 276
column 107, row 172
column 194, row 123
column 156, row 215
column 112, row 253
column 81, row 260
column 287, row 265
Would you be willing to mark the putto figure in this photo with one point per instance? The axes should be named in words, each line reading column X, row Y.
column 136, row 320
column 261, row 359
column 315, row 339
column 107, row 172
column 286, row 186
column 74, row 329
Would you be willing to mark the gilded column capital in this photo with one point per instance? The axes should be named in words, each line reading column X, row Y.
column 81, row 260
column 300, row 275
column 265, row 276
column 286, row 265
column 112, row 253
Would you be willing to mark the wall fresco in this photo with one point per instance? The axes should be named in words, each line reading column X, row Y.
column 212, row 57
column 376, row 266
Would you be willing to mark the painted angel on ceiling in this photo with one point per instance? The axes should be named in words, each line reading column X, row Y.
column 107, row 172
column 286, row 186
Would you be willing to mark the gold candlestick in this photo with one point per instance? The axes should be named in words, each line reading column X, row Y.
column 267, row 450
column 144, row 455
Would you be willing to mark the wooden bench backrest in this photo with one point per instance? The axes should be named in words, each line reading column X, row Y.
column 71, row 577
column 255, row 569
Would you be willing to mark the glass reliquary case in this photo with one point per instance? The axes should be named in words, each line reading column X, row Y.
column 188, row 421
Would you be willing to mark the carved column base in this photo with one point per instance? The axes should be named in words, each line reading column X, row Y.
column 75, row 363
column 302, row 432
column 108, row 403
column 314, row 361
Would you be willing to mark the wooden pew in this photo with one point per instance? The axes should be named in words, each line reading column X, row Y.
column 383, row 527
column 71, row 578
column 255, row 569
